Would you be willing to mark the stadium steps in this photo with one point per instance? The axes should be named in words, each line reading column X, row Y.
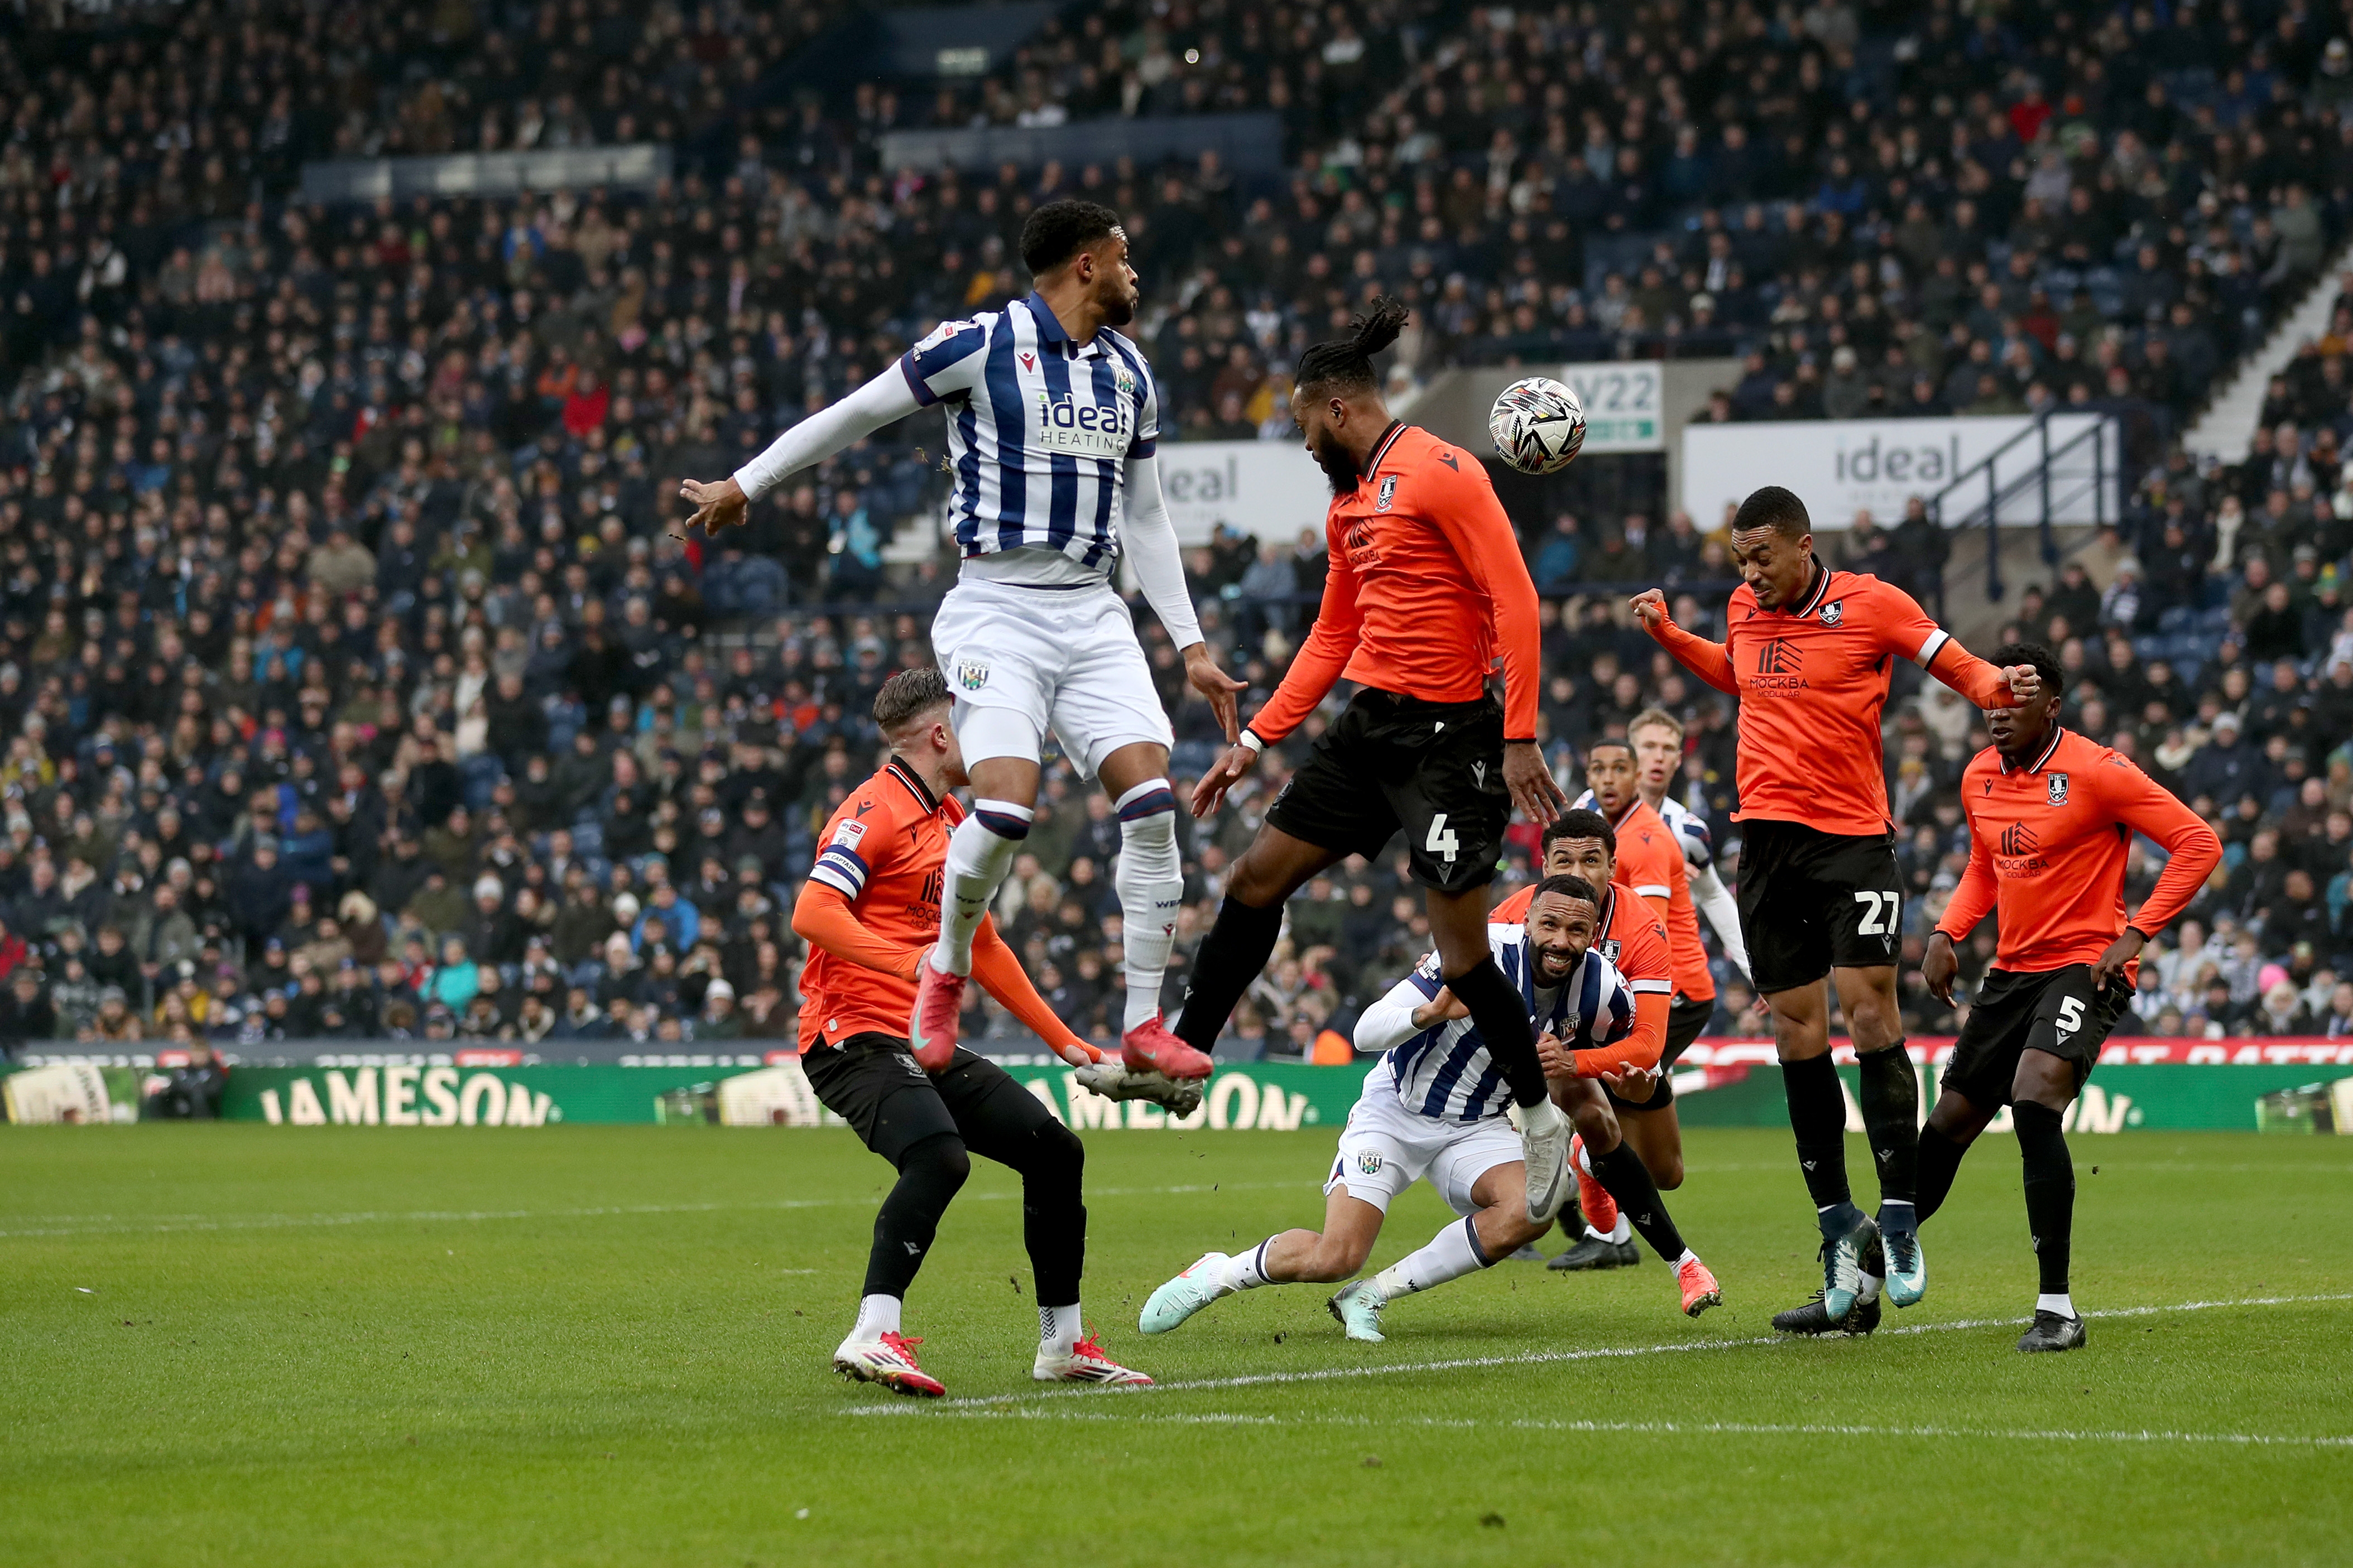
column 1975, row 619
column 2224, row 431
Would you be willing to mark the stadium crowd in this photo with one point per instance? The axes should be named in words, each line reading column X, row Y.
column 354, row 682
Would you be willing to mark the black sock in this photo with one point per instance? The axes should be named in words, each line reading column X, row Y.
column 1502, row 1014
column 1054, row 1214
column 1890, row 1102
column 1231, row 956
column 929, row 1175
column 1622, row 1174
column 1940, row 1162
column 2050, row 1191
column 1818, row 1116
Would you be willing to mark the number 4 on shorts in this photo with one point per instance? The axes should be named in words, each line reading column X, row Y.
column 1879, row 915
column 1441, row 839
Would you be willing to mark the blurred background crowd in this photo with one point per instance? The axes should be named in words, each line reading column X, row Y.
column 356, row 682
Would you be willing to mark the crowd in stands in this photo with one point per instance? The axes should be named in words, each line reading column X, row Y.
column 355, row 680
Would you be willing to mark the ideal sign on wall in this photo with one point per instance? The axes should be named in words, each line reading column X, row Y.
column 1840, row 467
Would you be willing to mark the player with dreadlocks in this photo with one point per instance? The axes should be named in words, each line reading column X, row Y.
column 1425, row 588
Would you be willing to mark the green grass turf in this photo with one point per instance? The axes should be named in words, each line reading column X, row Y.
column 238, row 1344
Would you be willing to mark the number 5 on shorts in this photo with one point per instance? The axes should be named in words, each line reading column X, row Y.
column 1879, row 915
column 1441, row 839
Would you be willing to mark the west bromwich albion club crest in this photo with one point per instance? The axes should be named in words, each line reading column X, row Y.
column 1387, row 497
column 1369, row 1162
column 1833, row 611
column 971, row 674
column 2058, row 782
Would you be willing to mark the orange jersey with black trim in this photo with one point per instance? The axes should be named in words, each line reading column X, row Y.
column 1628, row 935
column 1425, row 585
column 2047, row 848
column 1811, row 681
column 885, row 851
column 1650, row 861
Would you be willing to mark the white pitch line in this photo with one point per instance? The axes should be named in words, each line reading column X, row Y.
column 107, row 1224
column 1527, row 1358
column 1668, row 1428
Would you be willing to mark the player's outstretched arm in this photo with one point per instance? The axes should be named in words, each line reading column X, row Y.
column 1706, row 660
column 720, row 503
column 1151, row 540
column 822, row 918
column 2193, row 851
column 1407, row 1009
column 1000, row 974
column 1313, row 671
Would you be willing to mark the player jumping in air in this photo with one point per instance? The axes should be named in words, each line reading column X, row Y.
column 1433, row 1110
column 869, row 912
column 1052, row 420
column 2052, row 818
column 1425, row 585
column 1809, row 652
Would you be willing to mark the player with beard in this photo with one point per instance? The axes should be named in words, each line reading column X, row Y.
column 1425, row 587
column 1052, row 423
column 1434, row 1109
column 1809, row 652
column 2052, row 819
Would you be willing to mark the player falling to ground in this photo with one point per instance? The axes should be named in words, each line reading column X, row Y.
column 1809, row 652
column 1052, row 418
column 2051, row 818
column 1425, row 585
column 869, row 912
column 1582, row 842
column 1434, row 1109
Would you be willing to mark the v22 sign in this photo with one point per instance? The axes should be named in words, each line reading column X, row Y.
column 1622, row 399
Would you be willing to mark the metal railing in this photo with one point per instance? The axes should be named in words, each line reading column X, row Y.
column 2037, row 481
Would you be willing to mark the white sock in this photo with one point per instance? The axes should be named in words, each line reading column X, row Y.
column 1688, row 1257
column 1449, row 1255
column 1247, row 1270
column 1623, row 1231
column 1151, row 886
column 1585, row 1161
column 877, row 1316
column 1058, row 1329
column 2062, row 1304
column 980, row 852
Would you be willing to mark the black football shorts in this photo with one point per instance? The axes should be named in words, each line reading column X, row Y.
column 2056, row 1011
column 1812, row 901
column 1434, row 769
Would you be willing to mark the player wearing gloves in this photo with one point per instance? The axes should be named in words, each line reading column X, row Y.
column 1436, row 1108
column 1052, row 422
column 869, row 912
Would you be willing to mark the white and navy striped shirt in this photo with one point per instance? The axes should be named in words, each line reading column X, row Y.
column 1444, row 1072
column 1039, row 429
column 1690, row 828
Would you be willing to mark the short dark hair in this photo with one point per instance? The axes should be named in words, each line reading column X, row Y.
column 2043, row 661
column 907, row 694
column 1567, row 888
column 1774, row 508
column 1346, row 364
column 1059, row 230
column 1581, row 823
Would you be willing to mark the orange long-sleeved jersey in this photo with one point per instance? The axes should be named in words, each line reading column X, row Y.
column 1811, row 681
column 2047, row 848
column 1425, row 584
column 870, row 909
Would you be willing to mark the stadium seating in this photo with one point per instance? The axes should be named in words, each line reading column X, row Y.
column 319, row 524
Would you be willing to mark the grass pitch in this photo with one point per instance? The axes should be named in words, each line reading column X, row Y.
column 238, row 1344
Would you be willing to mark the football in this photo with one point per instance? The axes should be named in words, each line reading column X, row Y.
column 1539, row 426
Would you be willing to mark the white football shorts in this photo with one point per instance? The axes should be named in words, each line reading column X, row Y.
column 1386, row 1148
column 1066, row 659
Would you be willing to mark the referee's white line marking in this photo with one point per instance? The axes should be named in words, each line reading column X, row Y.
column 1528, row 1358
column 111, row 1224
column 1669, row 1428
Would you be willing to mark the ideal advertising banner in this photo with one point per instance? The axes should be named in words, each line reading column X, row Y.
column 1269, row 490
column 1841, row 466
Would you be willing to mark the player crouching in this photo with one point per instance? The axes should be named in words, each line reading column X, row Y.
column 1435, row 1108
column 868, row 913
